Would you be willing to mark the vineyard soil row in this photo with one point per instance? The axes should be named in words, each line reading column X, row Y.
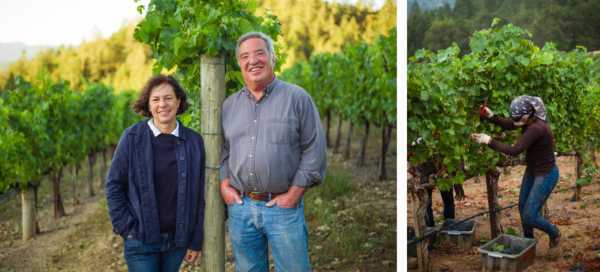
column 577, row 222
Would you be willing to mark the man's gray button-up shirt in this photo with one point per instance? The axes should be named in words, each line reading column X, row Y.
column 273, row 143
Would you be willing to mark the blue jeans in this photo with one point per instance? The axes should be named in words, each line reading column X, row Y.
column 153, row 257
column 535, row 190
column 252, row 226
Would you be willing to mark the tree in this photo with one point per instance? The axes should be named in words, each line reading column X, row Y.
column 417, row 26
column 443, row 33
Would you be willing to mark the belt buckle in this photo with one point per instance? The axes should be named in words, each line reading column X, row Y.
column 260, row 196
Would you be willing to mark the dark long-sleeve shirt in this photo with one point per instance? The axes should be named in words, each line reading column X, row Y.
column 536, row 140
column 273, row 143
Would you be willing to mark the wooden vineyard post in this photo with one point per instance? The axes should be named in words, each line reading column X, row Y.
column 104, row 170
column 28, row 213
column 578, row 166
column 212, row 95
column 73, row 185
column 90, row 182
column 59, row 208
column 420, row 198
column 348, row 141
column 338, row 136
column 491, row 182
column 386, row 138
column 360, row 161
column 36, row 187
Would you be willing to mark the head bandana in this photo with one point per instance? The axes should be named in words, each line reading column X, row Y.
column 525, row 104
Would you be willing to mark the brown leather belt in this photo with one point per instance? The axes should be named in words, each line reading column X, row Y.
column 260, row 196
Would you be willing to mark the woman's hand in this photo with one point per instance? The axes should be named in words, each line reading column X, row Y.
column 481, row 138
column 191, row 256
column 485, row 112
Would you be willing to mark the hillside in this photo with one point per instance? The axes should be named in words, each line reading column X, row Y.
column 426, row 5
column 124, row 63
column 12, row 51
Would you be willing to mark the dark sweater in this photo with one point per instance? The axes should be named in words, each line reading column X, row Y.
column 536, row 140
column 165, row 180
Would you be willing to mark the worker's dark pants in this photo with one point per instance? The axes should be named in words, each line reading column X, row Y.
column 448, row 199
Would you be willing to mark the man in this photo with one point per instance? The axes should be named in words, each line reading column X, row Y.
column 274, row 150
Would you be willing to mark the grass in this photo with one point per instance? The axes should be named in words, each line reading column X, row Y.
column 352, row 216
column 349, row 227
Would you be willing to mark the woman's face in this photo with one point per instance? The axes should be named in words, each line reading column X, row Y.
column 521, row 121
column 163, row 104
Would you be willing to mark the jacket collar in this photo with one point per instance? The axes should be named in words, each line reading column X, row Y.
column 142, row 129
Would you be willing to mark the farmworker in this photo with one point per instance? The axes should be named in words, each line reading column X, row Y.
column 274, row 150
column 155, row 185
column 541, row 173
column 426, row 171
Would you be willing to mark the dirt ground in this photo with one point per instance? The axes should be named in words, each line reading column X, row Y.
column 577, row 221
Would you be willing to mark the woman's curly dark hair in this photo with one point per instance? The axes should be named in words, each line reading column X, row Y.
column 141, row 104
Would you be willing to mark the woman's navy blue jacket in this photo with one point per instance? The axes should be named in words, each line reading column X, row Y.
column 130, row 191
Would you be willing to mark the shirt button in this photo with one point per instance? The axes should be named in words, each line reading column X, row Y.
column 250, row 155
column 252, row 137
column 254, row 120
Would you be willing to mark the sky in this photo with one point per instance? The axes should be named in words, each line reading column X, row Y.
column 67, row 22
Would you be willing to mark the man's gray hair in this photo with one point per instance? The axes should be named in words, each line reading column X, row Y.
column 268, row 41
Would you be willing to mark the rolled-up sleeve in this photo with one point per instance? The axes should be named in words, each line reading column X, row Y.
column 224, row 172
column 311, row 170
column 117, row 186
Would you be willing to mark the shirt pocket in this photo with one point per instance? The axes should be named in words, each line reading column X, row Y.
column 280, row 131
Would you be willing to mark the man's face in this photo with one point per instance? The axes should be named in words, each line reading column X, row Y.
column 255, row 62
column 163, row 104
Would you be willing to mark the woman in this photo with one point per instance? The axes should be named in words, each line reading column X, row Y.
column 155, row 186
column 541, row 174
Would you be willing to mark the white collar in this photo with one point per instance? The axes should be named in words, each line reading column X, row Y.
column 157, row 132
